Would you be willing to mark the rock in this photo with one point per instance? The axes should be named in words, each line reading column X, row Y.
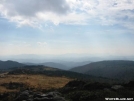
column 59, row 98
column 23, row 96
column 56, row 96
column 4, row 95
column 130, row 84
column 30, row 99
column 52, row 94
column 43, row 99
column 116, row 87
column 35, row 96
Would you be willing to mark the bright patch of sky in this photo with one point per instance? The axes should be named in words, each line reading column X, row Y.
column 103, row 27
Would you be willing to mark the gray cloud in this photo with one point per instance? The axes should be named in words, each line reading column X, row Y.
column 31, row 7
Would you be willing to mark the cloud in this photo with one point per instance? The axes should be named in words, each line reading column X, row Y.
column 110, row 12
column 25, row 12
column 42, row 43
column 31, row 7
column 36, row 12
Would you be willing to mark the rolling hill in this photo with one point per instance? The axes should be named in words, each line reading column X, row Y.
column 50, row 64
column 55, row 65
column 115, row 69
column 55, row 72
column 65, row 65
column 71, row 64
column 10, row 64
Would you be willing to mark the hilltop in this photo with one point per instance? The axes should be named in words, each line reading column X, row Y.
column 115, row 69
column 9, row 64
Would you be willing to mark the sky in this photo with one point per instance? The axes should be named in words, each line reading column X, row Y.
column 55, row 27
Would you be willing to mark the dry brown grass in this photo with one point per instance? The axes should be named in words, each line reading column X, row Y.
column 34, row 81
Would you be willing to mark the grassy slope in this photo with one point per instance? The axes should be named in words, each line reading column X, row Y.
column 34, row 81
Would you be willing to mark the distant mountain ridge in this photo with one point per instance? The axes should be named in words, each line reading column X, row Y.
column 65, row 65
column 72, row 64
column 50, row 64
column 116, row 69
column 10, row 64
column 55, row 65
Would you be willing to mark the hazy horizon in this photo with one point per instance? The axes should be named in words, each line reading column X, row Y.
column 34, row 58
column 87, row 28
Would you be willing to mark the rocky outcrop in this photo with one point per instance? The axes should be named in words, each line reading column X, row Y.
column 36, row 96
column 116, row 87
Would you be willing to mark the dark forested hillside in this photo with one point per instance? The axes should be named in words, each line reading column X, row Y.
column 9, row 64
column 119, row 69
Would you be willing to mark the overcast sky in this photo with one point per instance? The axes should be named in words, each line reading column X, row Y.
column 97, row 27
